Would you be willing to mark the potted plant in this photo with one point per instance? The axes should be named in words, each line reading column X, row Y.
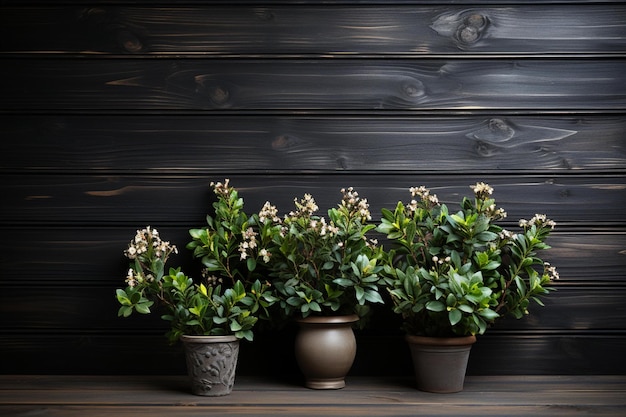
column 212, row 316
column 453, row 274
column 326, row 274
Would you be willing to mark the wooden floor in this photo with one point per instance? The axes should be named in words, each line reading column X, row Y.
column 121, row 396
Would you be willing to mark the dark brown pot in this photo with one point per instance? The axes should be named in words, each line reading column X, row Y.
column 440, row 363
column 325, row 349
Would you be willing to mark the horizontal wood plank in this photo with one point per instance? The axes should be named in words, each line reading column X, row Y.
column 294, row 29
column 156, row 396
column 495, row 353
column 138, row 391
column 477, row 144
column 304, row 2
column 164, row 200
column 71, row 309
column 92, row 256
column 118, row 115
column 313, row 410
column 130, row 85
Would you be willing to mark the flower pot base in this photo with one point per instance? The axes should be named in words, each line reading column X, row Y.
column 328, row 383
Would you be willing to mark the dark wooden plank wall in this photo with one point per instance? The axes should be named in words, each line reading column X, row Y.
column 118, row 115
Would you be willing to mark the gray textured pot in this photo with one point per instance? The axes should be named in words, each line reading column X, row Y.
column 440, row 363
column 211, row 363
column 325, row 349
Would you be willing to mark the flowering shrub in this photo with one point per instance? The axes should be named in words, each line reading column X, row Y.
column 232, row 297
column 325, row 266
column 456, row 273
column 232, row 243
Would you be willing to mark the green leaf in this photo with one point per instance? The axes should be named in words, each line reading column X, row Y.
column 435, row 306
column 314, row 306
column 394, row 235
column 454, row 316
column 360, row 293
column 328, row 265
column 344, row 282
column 245, row 334
column 125, row 311
column 122, row 297
column 235, row 326
column 251, row 264
column 373, row 297
column 486, row 236
column 488, row 314
column 466, row 308
column 144, row 308
column 294, row 301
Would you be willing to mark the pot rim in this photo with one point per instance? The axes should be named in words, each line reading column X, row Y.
column 340, row 319
column 187, row 338
column 441, row 341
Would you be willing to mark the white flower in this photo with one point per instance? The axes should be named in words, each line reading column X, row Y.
column 482, row 190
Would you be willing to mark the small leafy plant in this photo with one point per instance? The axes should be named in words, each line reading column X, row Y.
column 232, row 296
column 325, row 266
column 232, row 244
column 454, row 274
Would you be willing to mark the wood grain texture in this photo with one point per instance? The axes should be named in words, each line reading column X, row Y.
column 147, row 143
column 185, row 199
column 117, row 115
column 67, row 255
column 303, row 2
column 169, row 396
column 72, row 309
column 315, row 30
column 129, row 85
column 550, row 353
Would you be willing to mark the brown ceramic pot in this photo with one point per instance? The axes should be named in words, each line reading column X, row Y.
column 325, row 349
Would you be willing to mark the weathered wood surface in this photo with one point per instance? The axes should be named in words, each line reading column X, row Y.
column 478, row 144
column 590, row 352
column 168, row 396
column 316, row 30
column 52, row 307
column 301, row 2
column 185, row 199
column 67, row 259
column 117, row 115
column 357, row 84
column 66, row 255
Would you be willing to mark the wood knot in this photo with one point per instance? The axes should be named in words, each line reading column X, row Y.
column 484, row 149
column 476, row 20
column 468, row 34
column 471, row 28
column 282, row 142
column 219, row 95
column 493, row 131
column 500, row 128
column 413, row 89
column 129, row 41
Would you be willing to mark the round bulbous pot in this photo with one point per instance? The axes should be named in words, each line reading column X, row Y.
column 325, row 349
column 211, row 363
column 440, row 363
